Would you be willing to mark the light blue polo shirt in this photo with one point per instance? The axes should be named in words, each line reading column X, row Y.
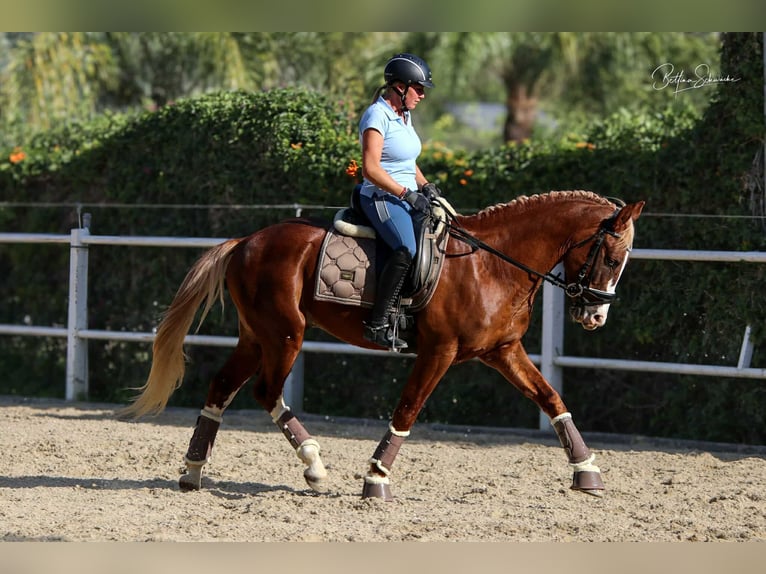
column 401, row 144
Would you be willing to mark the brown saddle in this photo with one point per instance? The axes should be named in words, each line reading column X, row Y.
column 348, row 260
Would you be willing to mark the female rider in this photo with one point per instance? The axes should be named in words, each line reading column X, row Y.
column 392, row 178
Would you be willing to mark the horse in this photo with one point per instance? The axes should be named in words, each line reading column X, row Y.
column 495, row 262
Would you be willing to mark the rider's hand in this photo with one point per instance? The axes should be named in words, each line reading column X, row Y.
column 431, row 192
column 417, row 201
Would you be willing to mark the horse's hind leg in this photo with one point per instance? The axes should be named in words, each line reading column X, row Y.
column 306, row 448
column 241, row 365
column 272, row 367
column 281, row 341
column 513, row 363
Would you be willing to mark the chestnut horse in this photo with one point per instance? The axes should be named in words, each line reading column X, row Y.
column 496, row 262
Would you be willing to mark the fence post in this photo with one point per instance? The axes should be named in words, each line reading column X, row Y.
column 552, row 340
column 77, row 348
column 746, row 351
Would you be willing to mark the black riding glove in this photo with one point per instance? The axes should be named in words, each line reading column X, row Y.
column 417, row 201
column 431, row 191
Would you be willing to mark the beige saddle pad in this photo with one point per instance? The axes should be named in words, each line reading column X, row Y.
column 347, row 270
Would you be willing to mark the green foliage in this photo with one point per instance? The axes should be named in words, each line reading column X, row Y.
column 293, row 146
column 621, row 155
column 49, row 77
column 232, row 146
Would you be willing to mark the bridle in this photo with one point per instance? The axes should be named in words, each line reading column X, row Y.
column 579, row 291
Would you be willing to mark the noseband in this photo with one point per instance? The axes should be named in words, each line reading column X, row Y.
column 580, row 292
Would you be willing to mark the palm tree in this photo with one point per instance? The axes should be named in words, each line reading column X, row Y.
column 155, row 68
column 516, row 66
column 598, row 72
column 55, row 77
column 49, row 77
column 340, row 64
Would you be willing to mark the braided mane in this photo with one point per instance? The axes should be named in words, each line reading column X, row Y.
column 524, row 202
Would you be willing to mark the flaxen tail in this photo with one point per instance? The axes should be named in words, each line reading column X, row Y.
column 202, row 284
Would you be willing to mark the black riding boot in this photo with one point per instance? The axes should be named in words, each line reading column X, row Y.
column 377, row 329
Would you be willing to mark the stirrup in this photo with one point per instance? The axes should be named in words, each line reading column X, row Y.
column 383, row 335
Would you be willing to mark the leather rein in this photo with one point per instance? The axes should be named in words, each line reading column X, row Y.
column 579, row 291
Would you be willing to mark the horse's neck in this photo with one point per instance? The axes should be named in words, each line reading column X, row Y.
column 539, row 234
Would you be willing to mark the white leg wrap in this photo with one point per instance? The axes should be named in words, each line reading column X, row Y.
column 561, row 417
column 395, row 432
column 376, row 479
column 308, row 450
column 210, row 415
column 379, row 465
column 315, row 473
column 586, row 465
column 279, row 410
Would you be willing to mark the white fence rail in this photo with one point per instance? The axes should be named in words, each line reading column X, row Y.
column 551, row 359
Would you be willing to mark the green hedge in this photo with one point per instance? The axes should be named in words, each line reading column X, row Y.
column 293, row 146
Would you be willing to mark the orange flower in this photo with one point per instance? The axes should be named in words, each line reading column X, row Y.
column 298, row 145
column 468, row 172
column 352, row 169
column 463, row 182
column 17, row 156
column 586, row 145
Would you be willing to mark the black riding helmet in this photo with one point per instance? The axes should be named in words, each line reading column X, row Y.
column 409, row 70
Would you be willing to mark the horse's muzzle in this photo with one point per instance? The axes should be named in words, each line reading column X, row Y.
column 590, row 317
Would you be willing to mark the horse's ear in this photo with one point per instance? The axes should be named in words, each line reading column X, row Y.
column 627, row 214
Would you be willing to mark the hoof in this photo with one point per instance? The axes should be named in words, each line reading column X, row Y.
column 315, row 472
column 596, row 493
column 377, row 490
column 188, row 483
column 192, row 480
column 317, row 483
column 588, row 482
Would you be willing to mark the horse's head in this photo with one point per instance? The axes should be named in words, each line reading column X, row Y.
column 594, row 265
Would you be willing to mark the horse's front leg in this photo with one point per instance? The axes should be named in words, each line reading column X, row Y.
column 377, row 481
column 514, row 364
column 587, row 476
column 428, row 370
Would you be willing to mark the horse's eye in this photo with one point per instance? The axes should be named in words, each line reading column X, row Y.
column 611, row 263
